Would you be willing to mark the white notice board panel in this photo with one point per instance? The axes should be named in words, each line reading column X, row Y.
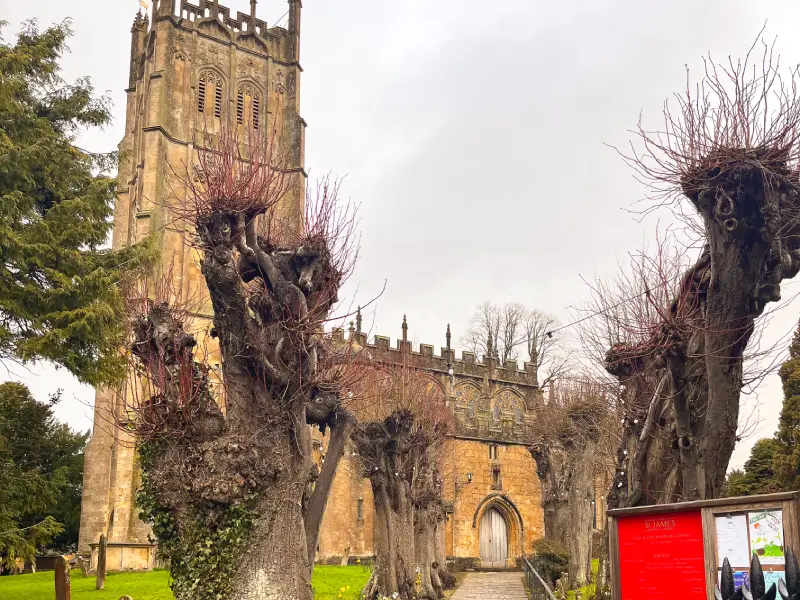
column 732, row 542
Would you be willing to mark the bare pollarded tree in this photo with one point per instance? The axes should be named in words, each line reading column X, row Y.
column 404, row 423
column 227, row 478
column 569, row 449
column 514, row 330
column 731, row 149
column 625, row 311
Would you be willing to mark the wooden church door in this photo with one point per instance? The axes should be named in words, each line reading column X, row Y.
column 494, row 539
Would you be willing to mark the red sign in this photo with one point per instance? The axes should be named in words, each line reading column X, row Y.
column 661, row 557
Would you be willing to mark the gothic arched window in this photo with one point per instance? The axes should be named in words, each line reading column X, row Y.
column 209, row 85
column 248, row 106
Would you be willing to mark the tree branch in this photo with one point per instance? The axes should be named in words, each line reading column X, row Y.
column 341, row 426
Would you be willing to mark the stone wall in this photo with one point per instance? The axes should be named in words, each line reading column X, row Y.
column 347, row 527
column 507, row 483
column 486, row 465
column 126, row 557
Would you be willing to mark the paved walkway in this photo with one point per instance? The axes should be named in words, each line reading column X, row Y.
column 491, row 586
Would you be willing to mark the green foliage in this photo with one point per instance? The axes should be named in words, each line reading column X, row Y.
column 154, row 585
column 59, row 298
column 203, row 552
column 588, row 591
column 758, row 476
column 787, row 452
column 550, row 559
column 41, row 473
column 774, row 464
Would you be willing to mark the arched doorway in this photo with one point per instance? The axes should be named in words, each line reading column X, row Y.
column 494, row 539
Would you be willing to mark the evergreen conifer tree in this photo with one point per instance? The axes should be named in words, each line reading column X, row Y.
column 787, row 452
column 41, row 468
column 758, row 476
column 59, row 298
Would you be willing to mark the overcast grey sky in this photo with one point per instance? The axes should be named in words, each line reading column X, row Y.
column 472, row 133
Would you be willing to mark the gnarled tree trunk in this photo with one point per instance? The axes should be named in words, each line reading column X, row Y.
column 565, row 464
column 229, row 492
column 440, row 550
column 683, row 385
column 581, row 510
column 400, row 454
column 425, row 541
column 428, row 516
column 394, row 544
column 554, row 470
column 383, row 448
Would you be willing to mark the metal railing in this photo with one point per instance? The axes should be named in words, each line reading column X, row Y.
column 537, row 588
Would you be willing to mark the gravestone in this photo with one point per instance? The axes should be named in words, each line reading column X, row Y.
column 63, row 591
column 101, row 563
column 84, row 566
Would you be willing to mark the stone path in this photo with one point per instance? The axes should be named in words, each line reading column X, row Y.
column 491, row 586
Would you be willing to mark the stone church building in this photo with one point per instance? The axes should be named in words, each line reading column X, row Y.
column 490, row 485
column 191, row 69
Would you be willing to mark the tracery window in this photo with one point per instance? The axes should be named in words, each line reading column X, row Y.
column 248, row 106
column 209, row 85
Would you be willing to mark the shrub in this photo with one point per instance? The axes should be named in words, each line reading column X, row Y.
column 550, row 559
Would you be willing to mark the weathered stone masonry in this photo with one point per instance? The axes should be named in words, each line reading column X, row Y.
column 487, row 464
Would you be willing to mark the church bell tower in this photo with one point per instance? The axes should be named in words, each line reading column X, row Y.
column 194, row 69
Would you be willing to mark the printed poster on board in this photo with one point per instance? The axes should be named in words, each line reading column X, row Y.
column 740, row 578
column 766, row 536
column 771, row 577
column 732, row 540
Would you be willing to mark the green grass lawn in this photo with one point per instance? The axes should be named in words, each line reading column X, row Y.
column 154, row 585
column 329, row 582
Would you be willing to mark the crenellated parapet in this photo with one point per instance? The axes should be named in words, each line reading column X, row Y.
column 198, row 69
column 205, row 9
column 210, row 19
column 492, row 401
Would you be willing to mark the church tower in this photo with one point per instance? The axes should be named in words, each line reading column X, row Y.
column 196, row 68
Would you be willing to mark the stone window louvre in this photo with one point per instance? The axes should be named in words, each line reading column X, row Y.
column 256, row 112
column 240, row 106
column 218, row 100
column 201, row 95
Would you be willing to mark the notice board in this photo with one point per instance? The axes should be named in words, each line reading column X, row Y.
column 661, row 556
column 676, row 550
column 742, row 534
